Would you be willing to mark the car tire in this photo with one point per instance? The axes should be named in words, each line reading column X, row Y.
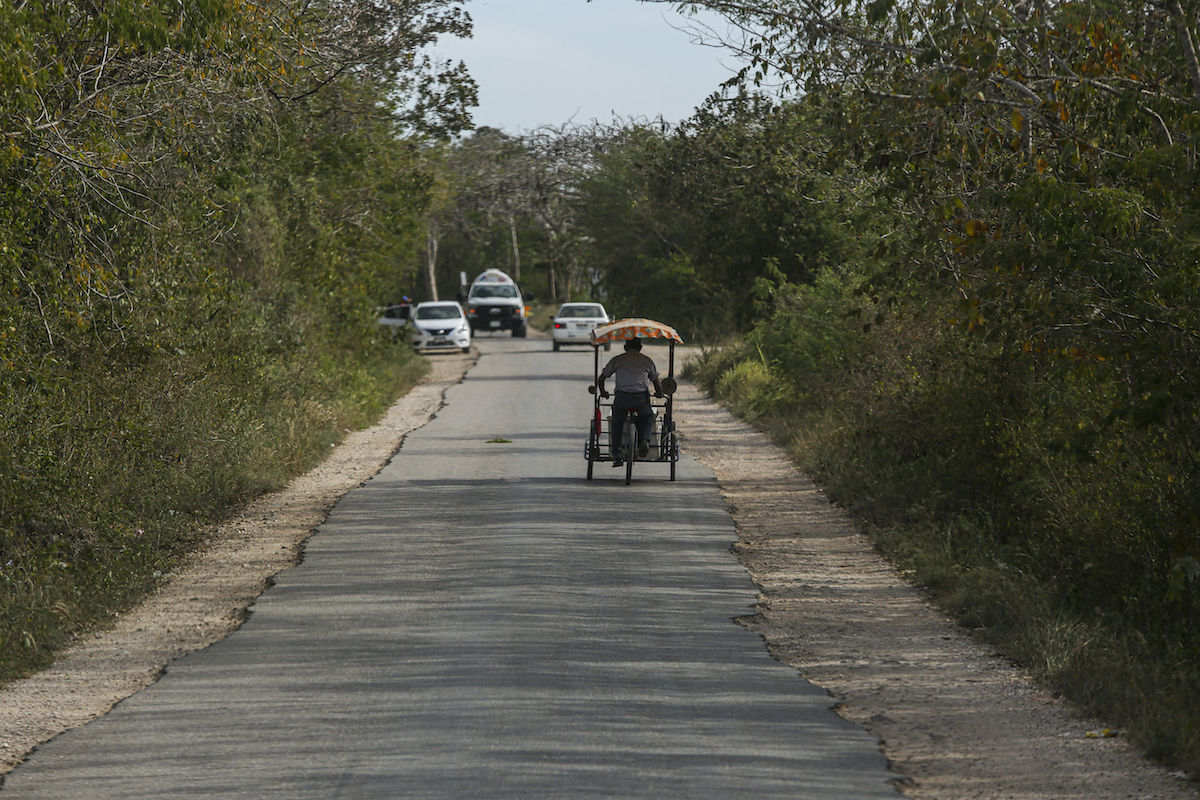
column 557, row 346
column 467, row 349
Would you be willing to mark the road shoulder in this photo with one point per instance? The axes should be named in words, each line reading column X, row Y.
column 956, row 719
column 207, row 599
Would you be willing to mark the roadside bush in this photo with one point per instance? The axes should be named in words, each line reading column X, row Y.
column 113, row 466
column 1002, row 482
column 188, row 271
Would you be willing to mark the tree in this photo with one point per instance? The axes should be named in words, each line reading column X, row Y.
column 494, row 174
column 690, row 219
column 200, row 204
column 1044, row 156
column 505, row 186
column 107, row 113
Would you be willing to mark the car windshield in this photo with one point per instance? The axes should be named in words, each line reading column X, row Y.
column 438, row 312
column 493, row 290
column 593, row 312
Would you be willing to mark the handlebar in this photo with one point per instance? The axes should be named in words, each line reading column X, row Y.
column 668, row 390
column 653, row 404
column 663, row 396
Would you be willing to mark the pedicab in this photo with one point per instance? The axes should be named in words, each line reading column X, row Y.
column 664, row 445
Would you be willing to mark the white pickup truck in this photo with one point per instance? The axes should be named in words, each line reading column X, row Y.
column 495, row 303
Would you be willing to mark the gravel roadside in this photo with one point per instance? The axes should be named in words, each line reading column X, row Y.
column 954, row 718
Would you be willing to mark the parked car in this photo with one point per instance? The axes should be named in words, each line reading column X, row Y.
column 396, row 317
column 574, row 322
column 440, row 325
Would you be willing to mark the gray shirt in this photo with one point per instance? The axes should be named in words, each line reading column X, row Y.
column 635, row 372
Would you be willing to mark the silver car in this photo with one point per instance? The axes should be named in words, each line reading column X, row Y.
column 574, row 322
column 440, row 325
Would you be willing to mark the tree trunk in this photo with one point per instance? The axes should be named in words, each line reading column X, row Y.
column 431, row 251
column 1187, row 43
column 516, row 251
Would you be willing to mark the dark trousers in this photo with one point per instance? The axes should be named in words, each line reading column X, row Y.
column 624, row 404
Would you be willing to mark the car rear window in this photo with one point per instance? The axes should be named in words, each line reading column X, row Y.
column 581, row 311
column 438, row 312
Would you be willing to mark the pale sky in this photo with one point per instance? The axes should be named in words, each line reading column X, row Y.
column 545, row 62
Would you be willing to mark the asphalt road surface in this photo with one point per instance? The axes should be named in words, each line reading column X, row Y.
column 481, row 621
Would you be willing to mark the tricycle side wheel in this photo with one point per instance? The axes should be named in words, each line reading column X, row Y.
column 672, row 453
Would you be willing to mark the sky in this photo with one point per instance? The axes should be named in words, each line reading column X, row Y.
column 548, row 62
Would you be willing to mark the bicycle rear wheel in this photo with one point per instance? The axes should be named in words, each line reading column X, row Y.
column 629, row 448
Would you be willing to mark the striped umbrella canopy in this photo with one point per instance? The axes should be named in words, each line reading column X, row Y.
column 624, row 329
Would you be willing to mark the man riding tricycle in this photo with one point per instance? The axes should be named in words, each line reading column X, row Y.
column 635, row 431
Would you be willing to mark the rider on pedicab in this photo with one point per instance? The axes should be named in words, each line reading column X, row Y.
column 635, row 374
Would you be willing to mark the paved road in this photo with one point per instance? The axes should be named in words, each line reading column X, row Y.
column 480, row 621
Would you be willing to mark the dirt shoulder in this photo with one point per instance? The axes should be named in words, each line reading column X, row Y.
column 206, row 600
column 957, row 720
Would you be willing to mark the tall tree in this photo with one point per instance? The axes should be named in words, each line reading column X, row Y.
column 1045, row 155
column 199, row 205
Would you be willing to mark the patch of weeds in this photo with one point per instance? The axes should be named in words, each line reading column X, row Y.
column 109, row 487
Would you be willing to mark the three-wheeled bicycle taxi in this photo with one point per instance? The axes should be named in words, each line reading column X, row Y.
column 663, row 445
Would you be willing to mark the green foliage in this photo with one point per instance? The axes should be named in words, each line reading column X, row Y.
column 505, row 202
column 201, row 208
column 693, row 217
column 676, row 224
column 1012, row 492
column 1043, row 158
column 1018, row 412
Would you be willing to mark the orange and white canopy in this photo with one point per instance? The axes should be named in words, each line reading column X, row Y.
column 624, row 329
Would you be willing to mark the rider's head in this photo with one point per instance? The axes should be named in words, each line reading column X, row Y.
column 633, row 344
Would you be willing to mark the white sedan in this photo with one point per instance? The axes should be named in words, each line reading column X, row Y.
column 574, row 322
column 440, row 325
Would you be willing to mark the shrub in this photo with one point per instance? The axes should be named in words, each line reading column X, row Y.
column 999, row 481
